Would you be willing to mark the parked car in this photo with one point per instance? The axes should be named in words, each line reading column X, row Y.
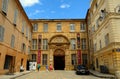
column 80, row 69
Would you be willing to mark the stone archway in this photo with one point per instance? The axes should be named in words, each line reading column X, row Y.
column 59, row 44
column 59, row 59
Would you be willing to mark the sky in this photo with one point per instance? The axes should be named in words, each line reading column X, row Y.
column 56, row 9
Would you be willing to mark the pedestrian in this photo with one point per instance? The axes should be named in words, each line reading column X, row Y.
column 38, row 67
column 47, row 68
column 50, row 67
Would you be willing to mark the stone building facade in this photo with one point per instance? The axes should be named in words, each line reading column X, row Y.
column 103, row 20
column 15, row 36
column 59, row 42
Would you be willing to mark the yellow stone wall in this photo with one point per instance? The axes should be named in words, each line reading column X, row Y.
column 6, row 21
column 107, row 55
column 65, row 24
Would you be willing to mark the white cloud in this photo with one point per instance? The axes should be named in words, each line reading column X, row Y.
column 65, row 6
column 36, row 12
column 29, row 3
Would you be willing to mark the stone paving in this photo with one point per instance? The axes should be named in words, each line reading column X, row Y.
column 56, row 75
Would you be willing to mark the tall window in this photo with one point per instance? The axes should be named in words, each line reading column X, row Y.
column 23, row 47
column 4, row 6
column 28, row 49
column 84, row 59
column 106, row 39
column 82, row 27
column 45, row 44
column 73, row 59
column 35, row 27
column 45, row 27
column 100, row 44
column 15, row 16
column 1, row 33
column 34, row 44
column 33, row 57
column 44, row 59
column 12, row 41
column 23, row 26
column 73, row 44
column 72, row 27
column 83, row 42
column 59, row 28
column 95, row 47
column 97, row 63
column 27, row 31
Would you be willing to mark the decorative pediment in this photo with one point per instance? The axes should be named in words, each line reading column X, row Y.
column 59, row 39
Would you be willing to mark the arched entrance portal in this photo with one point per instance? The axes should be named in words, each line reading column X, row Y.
column 59, row 59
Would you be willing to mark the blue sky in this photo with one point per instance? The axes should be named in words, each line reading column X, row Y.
column 56, row 9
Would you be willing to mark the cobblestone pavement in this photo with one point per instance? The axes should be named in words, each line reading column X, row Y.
column 56, row 75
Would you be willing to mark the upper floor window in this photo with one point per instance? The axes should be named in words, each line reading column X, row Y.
column 15, row 16
column 59, row 27
column 72, row 27
column 35, row 27
column 1, row 33
column 106, row 39
column 45, row 44
column 27, row 31
column 34, row 44
column 28, row 49
column 83, row 27
column 5, row 6
column 23, row 26
column 100, row 44
column 12, row 41
column 45, row 27
column 83, row 42
column 95, row 47
column 23, row 47
column 73, row 44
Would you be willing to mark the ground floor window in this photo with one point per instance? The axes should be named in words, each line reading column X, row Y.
column 97, row 64
column 8, row 60
column 33, row 57
column 84, row 59
column 44, row 59
column 73, row 59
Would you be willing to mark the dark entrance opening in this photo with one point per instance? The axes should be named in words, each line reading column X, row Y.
column 59, row 62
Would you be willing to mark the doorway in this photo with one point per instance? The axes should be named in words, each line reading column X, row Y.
column 59, row 62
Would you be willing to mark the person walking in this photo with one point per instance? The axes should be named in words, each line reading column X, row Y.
column 38, row 67
column 50, row 67
column 47, row 68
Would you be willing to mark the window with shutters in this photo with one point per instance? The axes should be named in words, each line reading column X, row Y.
column 73, row 44
column 15, row 17
column 27, row 32
column 72, row 27
column 1, row 33
column 73, row 59
column 4, row 6
column 82, row 27
column 83, row 43
column 45, row 27
column 23, row 26
column 34, row 44
column 12, row 41
column 59, row 28
column 23, row 47
column 106, row 39
column 44, row 59
column 35, row 27
column 84, row 59
column 45, row 44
